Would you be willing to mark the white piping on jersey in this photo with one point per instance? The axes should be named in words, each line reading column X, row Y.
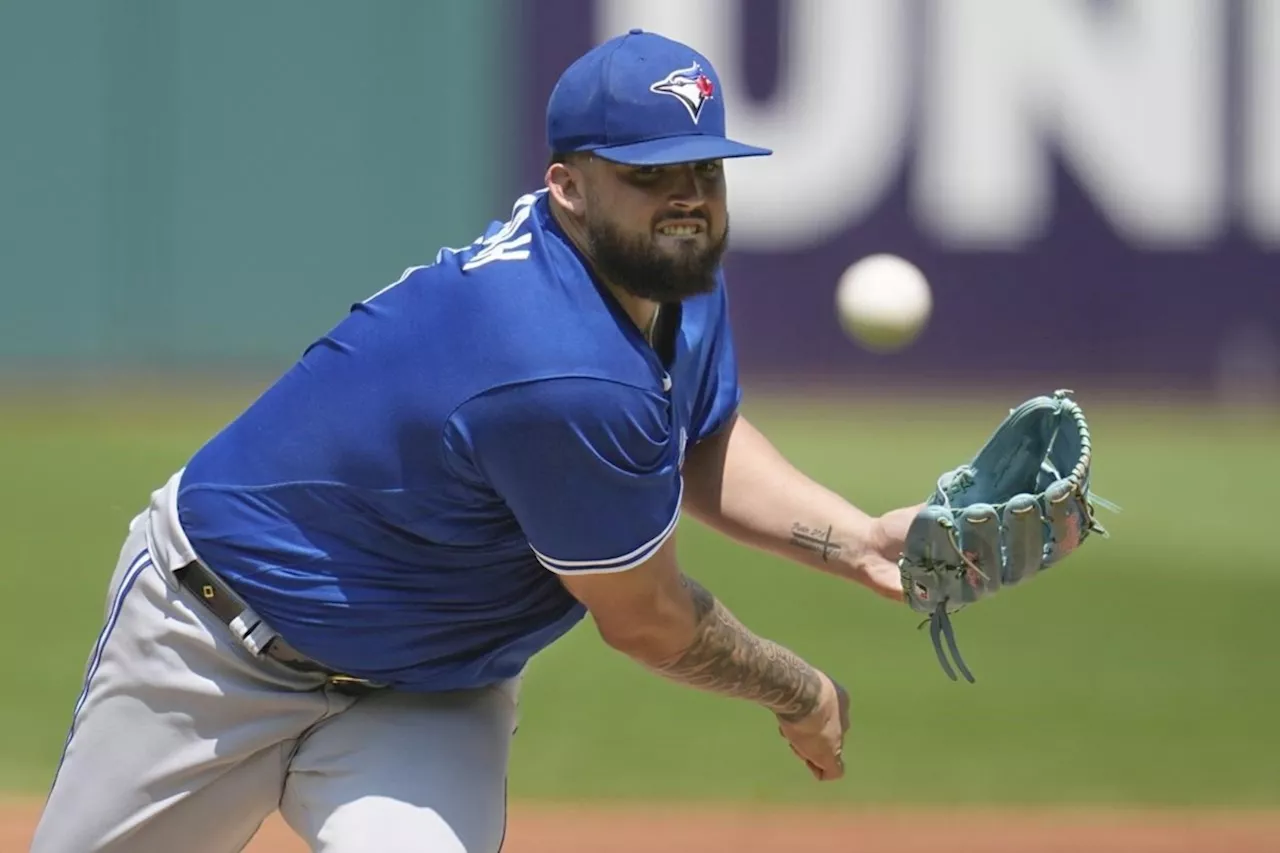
column 617, row 564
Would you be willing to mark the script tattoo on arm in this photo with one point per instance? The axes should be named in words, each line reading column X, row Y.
column 725, row 657
column 813, row 539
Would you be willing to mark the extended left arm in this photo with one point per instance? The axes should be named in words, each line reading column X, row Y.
column 739, row 484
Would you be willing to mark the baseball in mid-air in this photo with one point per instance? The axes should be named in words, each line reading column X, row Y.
column 883, row 302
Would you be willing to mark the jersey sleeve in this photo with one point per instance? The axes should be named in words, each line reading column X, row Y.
column 588, row 468
column 721, row 394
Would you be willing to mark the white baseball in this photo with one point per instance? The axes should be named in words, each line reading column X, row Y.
column 883, row 302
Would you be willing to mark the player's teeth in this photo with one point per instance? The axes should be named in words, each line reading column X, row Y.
column 680, row 230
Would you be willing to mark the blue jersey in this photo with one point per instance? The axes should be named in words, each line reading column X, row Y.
column 399, row 503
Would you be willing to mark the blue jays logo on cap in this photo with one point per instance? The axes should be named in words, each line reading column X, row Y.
column 619, row 100
column 689, row 86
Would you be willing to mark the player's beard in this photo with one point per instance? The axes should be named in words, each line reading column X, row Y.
column 640, row 268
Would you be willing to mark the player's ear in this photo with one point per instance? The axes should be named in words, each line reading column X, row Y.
column 564, row 183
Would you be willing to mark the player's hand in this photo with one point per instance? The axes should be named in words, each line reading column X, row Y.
column 818, row 739
column 891, row 530
column 878, row 569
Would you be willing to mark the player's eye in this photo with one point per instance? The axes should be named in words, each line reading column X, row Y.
column 710, row 168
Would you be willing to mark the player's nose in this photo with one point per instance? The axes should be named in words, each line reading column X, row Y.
column 687, row 190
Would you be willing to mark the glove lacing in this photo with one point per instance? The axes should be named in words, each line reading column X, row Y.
column 939, row 627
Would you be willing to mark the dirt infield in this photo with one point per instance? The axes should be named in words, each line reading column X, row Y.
column 565, row 830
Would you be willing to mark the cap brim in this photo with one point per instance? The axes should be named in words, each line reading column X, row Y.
column 678, row 149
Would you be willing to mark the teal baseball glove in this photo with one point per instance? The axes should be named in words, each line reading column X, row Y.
column 1022, row 505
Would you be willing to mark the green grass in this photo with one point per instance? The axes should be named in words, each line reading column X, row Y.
column 1144, row 671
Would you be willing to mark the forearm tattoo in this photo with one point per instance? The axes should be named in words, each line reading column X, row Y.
column 814, row 539
column 725, row 657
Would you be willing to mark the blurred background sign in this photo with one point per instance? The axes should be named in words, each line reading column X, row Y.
column 1093, row 188
column 196, row 185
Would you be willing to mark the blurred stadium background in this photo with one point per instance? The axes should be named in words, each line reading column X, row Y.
column 191, row 192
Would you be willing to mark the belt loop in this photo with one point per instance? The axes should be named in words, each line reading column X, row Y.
column 256, row 640
column 252, row 632
column 244, row 623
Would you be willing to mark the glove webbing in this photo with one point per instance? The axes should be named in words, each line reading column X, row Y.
column 939, row 627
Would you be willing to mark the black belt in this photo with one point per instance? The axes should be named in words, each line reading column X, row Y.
column 220, row 600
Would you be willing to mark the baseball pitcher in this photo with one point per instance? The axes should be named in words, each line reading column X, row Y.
column 328, row 609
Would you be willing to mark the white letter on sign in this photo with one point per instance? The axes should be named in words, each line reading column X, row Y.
column 1130, row 93
column 1262, row 161
column 835, row 124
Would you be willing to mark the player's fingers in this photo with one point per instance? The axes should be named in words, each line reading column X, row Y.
column 980, row 539
column 833, row 769
column 826, row 763
column 938, row 535
column 883, row 577
column 1023, row 538
column 813, row 768
column 1067, row 518
column 932, row 539
column 823, row 762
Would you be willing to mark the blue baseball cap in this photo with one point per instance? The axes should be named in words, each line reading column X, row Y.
column 643, row 100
